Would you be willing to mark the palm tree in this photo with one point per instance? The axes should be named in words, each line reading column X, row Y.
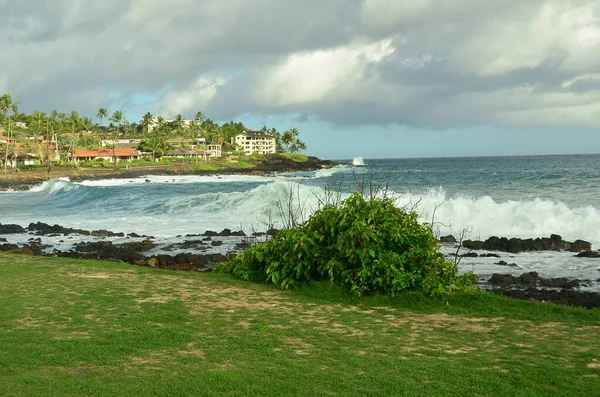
column 146, row 121
column 117, row 117
column 102, row 114
column 6, row 107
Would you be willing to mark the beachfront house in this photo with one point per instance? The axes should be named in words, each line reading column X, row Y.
column 4, row 140
column 121, row 154
column 121, row 142
column 255, row 142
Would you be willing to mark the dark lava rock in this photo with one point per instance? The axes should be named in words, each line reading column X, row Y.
column 503, row 263
column 559, row 282
column 564, row 297
column 11, row 229
column 210, row 233
column 108, row 251
column 448, row 239
column 44, row 229
column 515, row 245
column 469, row 255
column 489, row 255
column 216, row 243
column 207, row 239
column 588, row 254
column 473, row 245
column 529, row 278
column 106, row 233
column 8, row 247
column 2, row 240
column 183, row 261
column 503, row 279
column 581, row 245
column 495, row 244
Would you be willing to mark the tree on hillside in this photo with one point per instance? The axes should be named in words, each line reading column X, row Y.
column 117, row 117
column 7, row 106
column 147, row 119
column 290, row 141
column 102, row 114
column 156, row 145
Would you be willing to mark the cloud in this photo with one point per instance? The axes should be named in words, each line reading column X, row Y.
column 194, row 97
column 421, row 63
column 308, row 77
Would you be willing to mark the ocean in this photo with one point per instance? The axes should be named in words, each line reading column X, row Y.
column 487, row 196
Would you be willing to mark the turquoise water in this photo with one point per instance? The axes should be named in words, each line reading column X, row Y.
column 504, row 196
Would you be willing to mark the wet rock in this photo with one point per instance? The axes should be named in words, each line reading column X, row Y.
column 588, row 254
column 503, row 279
column 473, row 245
column 44, row 229
column 8, row 247
column 503, row 263
column 106, row 233
column 555, row 242
column 11, row 229
column 581, row 245
column 489, row 255
column 495, row 244
column 210, row 233
column 183, row 261
column 448, row 239
column 2, row 240
column 469, row 255
column 106, row 250
column 515, row 245
column 529, row 278
column 559, row 282
column 207, row 239
column 216, row 243
column 564, row 297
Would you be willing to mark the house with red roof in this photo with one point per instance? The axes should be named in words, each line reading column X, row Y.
column 121, row 154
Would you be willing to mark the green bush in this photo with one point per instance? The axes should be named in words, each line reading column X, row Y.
column 367, row 246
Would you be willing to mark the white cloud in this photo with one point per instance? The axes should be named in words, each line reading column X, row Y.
column 190, row 99
column 308, row 77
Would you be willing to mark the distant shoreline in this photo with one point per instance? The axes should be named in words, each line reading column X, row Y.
column 23, row 180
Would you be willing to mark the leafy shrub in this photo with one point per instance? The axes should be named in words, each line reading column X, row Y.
column 367, row 246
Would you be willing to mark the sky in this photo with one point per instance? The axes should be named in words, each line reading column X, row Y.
column 368, row 78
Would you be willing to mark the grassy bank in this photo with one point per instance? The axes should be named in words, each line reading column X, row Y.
column 73, row 327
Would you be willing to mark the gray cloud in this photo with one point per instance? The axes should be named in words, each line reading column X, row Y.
column 424, row 63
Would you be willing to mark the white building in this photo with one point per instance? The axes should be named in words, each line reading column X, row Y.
column 255, row 142
column 133, row 142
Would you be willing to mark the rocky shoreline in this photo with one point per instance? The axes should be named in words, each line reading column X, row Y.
column 202, row 252
column 25, row 179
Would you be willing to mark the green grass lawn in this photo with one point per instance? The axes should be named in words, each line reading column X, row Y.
column 74, row 327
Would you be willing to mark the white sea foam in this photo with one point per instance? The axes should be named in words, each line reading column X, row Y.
column 485, row 217
column 177, row 212
column 178, row 179
column 53, row 186
column 358, row 161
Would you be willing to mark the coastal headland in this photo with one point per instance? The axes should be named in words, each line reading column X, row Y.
column 22, row 180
